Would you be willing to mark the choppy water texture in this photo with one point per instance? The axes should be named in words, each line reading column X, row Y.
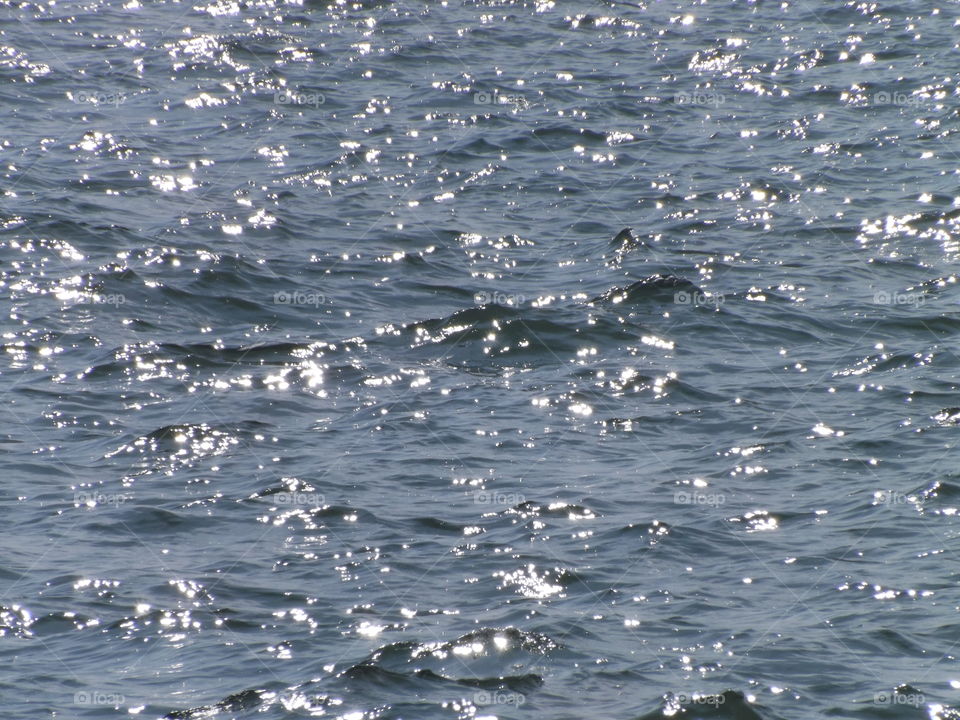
column 334, row 386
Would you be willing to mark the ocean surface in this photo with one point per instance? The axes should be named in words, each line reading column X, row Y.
column 479, row 359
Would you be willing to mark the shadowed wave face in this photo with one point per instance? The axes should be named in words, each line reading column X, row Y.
column 465, row 360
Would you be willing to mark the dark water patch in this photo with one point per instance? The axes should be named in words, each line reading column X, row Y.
column 243, row 701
